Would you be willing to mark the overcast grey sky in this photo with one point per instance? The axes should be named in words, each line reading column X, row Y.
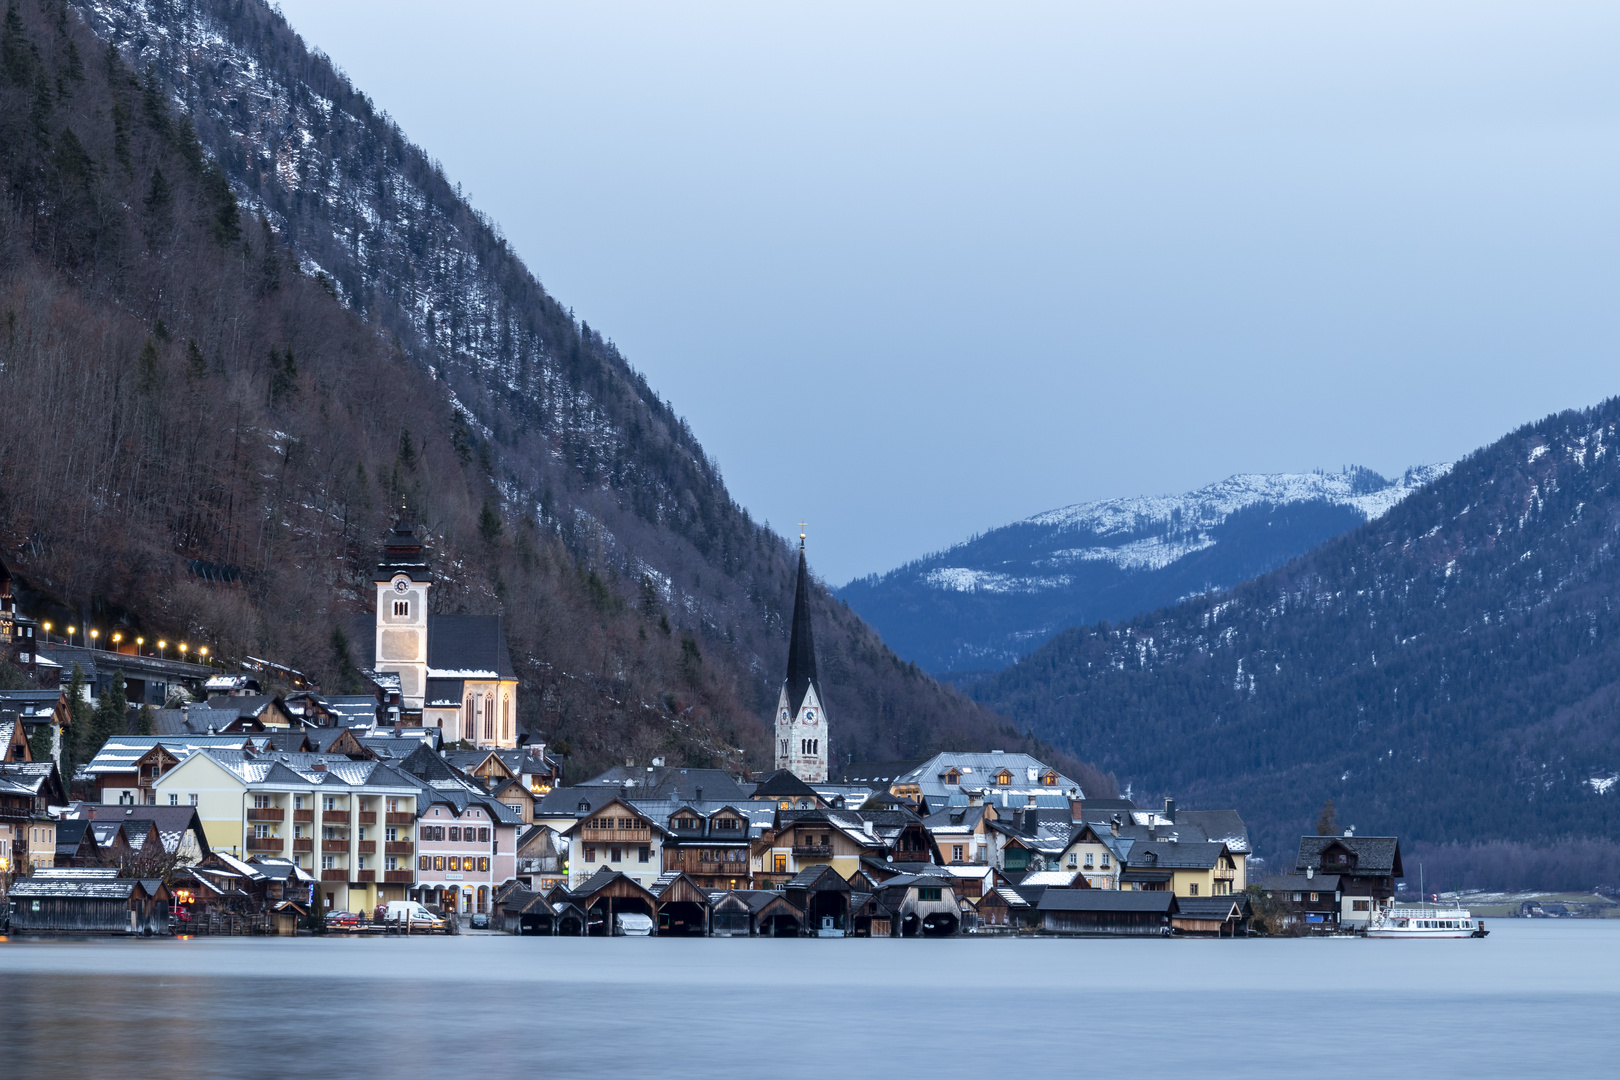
column 916, row 270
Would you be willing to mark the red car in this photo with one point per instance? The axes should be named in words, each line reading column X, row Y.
column 342, row 920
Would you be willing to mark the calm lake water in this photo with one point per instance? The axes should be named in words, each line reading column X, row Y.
column 1534, row 999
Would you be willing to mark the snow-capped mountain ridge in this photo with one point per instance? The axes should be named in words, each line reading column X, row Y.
column 986, row 601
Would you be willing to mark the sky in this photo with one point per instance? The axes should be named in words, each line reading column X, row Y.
column 915, row 270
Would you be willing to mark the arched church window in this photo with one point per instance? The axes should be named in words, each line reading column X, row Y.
column 489, row 717
column 506, row 717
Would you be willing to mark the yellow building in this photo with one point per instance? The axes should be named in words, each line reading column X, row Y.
column 351, row 824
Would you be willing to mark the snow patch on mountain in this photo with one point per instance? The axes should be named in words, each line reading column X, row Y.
column 963, row 579
column 1209, row 506
column 1153, row 553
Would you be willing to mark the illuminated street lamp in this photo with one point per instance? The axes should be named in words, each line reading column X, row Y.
column 161, row 646
column 71, row 630
column 47, row 628
column 138, row 643
column 203, row 653
column 182, row 650
column 117, row 637
column 95, row 636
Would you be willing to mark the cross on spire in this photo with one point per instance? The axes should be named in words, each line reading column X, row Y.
column 801, row 533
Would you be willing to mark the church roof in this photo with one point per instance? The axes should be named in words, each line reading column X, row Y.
column 801, row 665
column 402, row 553
column 468, row 647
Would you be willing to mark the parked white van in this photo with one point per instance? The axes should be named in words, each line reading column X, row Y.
column 417, row 919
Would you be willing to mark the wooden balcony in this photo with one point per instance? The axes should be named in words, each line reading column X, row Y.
column 401, row 819
column 334, row 875
column 266, row 813
column 1225, row 875
column 398, row 847
column 911, row 856
column 303, row 843
column 366, row 847
column 368, row 817
column 303, row 815
column 616, row 836
column 398, row 877
column 337, row 813
column 824, row 850
column 722, row 869
column 264, row 843
column 365, row 875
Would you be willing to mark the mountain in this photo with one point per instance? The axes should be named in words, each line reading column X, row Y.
column 245, row 320
column 1448, row 672
column 985, row 602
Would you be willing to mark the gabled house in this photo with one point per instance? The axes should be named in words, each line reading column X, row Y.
column 1366, row 868
column 921, row 905
column 616, row 837
column 1186, row 869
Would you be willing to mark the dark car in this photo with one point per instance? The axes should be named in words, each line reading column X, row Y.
column 480, row 921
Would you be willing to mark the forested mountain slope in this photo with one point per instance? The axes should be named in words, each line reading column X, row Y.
column 245, row 320
column 980, row 605
column 1449, row 672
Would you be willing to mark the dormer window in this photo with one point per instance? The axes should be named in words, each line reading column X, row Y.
column 1003, row 778
column 953, row 777
column 1049, row 778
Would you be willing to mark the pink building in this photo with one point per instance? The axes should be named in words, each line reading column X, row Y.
column 466, row 845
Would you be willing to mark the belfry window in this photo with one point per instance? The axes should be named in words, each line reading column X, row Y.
column 402, row 609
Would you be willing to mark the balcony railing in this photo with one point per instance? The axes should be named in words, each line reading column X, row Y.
column 266, row 813
column 368, row 817
column 334, row 875
column 812, row 849
column 366, row 847
column 303, row 843
column 398, row 847
column 722, row 869
column 616, row 836
column 303, row 815
column 264, row 843
column 911, row 856
column 398, row 877
column 365, row 875
column 400, row 819
column 336, row 812
column 1225, row 875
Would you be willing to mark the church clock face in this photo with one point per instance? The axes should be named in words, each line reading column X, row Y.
column 809, row 716
column 401, row 585
column 784, row 714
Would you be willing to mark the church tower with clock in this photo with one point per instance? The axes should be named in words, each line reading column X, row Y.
column 801, row 718
column 402, row 582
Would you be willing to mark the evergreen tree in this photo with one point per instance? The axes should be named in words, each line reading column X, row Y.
column 1325, row 820
column 39, row 743
column 108, row 720
column 143, row 723
column 489, row 524
column 78, row 732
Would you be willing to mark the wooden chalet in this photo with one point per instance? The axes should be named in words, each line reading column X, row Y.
column 755, row 913
column 13, row 739
column 1365, row 868
column 1003, row 909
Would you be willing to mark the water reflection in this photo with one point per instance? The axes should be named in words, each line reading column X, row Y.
column 495, row 1006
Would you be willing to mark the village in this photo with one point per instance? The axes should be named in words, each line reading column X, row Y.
column 418, row 807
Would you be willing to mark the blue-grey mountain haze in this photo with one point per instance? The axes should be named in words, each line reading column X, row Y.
column 915, row 270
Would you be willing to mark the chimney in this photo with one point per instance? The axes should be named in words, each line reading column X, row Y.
column 1113, row 825
column 319, row 766
column 1350, row 831
column 1170, row 811
column 870, row 829
column 697, row 794
column 1032, row 821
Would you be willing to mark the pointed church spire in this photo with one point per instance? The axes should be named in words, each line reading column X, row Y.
column 801, row 666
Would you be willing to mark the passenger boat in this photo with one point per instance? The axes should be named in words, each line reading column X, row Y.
column 1426, row 922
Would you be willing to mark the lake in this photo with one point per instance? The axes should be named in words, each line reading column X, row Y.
column 1535, row 998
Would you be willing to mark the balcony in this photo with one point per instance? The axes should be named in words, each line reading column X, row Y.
column 303, row 815
column 264, row 843
column 400, row 819
column 368, row 817
column 334, row 875
column 398, row 847
column 616, row 836
column 336, row 813
column 911, row 856
column 398, row 877
column 365, row 875
column 824, row 850
column 366, row 847
column 266, row 813
column 721, row 869
column 303, row 843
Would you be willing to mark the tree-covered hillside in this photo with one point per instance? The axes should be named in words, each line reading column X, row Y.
column 1449, row 672
column 244, row 320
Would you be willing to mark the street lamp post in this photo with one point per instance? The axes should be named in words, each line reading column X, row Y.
column 45, row 626
column 70, row 631
column 95, row 636
column 161, row 646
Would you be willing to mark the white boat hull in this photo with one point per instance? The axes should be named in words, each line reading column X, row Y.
column 1425, row 923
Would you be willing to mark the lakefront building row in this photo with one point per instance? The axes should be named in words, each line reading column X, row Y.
column 279, row 807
